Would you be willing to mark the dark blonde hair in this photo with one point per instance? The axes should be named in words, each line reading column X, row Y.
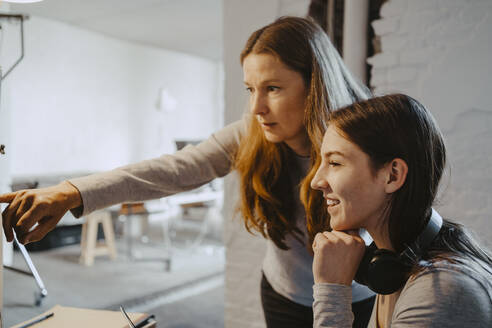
column 265, row 201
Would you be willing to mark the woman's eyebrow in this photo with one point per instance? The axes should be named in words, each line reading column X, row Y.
column 334, row 152
column 265, row 81
column 271, row 81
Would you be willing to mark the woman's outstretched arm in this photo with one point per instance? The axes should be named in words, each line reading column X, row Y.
column 33, row 213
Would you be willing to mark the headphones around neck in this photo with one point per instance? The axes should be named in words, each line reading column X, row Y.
column 385, row 271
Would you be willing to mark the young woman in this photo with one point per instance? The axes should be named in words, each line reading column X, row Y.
column 381, row 163
column 295, row 78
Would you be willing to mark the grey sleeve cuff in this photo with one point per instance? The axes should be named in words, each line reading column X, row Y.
column 77, row 212
column 332, row 306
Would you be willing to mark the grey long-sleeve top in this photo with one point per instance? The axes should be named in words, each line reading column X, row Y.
column 442, row 295
column 289, row 272
column 187, row 169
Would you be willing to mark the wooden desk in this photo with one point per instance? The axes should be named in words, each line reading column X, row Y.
column 188, row 199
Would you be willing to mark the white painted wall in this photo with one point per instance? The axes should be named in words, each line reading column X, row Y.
column 244, row 252
column 439, row 52
column 81, row 101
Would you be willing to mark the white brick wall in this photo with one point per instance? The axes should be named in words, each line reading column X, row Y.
column 439, row 52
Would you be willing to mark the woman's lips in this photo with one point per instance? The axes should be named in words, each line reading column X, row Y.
column 268, row 125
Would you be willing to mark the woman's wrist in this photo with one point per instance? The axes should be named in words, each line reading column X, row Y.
column 72, row 194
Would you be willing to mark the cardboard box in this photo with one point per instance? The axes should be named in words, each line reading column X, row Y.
column 82, row 318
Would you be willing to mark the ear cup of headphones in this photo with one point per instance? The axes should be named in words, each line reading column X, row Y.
column 386, row 273
column 381, row 270
column 361, row 274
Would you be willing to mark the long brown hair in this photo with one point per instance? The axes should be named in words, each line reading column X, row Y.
column 265, row 201
column 398, row 126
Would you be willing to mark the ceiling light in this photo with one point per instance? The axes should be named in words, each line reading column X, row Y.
column 22, row 1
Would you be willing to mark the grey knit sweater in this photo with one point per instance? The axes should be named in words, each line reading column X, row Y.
column 442, row 295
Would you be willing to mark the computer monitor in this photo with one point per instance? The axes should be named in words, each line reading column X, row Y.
column 180, row 144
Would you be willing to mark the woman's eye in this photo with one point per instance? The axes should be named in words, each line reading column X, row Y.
column 249, row 90
column 334, row 163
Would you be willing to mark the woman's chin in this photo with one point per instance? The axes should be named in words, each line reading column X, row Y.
column 341, row 226
column 336, row 225
column 273, row 138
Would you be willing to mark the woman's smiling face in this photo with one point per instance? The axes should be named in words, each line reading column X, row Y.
column 354, row 192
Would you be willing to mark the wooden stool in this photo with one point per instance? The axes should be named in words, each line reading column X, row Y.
column 88, row 243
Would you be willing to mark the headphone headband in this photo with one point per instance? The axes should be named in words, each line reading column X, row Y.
column 431, row 230
column 425, row 238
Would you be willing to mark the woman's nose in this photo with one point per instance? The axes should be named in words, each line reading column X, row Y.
column 258, row 104
column 319, row 182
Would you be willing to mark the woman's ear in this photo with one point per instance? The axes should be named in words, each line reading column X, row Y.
column 396, row 171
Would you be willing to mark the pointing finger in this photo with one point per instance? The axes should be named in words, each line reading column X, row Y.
column 8, row 197
column 7, row 228
column 9, row 219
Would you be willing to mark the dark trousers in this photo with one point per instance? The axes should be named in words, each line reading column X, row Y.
column 281, row 312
